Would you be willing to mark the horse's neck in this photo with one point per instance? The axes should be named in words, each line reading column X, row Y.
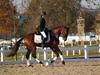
column 56, row 32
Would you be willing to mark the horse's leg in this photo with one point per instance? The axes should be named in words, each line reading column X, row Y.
column 27, row 56
column 34, row 55
column 57, row 55
column 60, row 55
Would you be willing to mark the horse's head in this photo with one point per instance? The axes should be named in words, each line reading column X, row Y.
column 64, row 32
column 61, row 31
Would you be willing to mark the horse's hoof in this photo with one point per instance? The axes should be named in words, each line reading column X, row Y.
column 52, row 61
column 63, row 62
column 40, row 62
column 30, row 65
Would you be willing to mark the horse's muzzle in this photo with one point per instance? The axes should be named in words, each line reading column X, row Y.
column 64, row 39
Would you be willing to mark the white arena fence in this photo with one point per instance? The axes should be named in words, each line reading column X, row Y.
column 85, row 48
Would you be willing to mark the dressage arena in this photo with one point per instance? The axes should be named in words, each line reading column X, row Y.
column 71, row 68
column 89, row 66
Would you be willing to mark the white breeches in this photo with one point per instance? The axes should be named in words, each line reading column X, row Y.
column 43, row 33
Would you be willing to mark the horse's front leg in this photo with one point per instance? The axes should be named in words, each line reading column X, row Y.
column 61, row 55
column 62, row 59
column 58, row 53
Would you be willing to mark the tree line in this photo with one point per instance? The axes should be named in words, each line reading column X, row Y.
column 59, row 12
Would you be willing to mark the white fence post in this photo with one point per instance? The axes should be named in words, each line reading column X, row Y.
column 45, row 54
column 85, row 52
column 99, row 48
column 79, row 52
column 90, row 42
column 1, row 54
column 73, row 52
column 67, row 52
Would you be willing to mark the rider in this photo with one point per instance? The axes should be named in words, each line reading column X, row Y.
column 42, row 26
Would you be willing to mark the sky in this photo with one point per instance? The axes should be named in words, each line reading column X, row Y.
column 22, row 5
column 90, row 4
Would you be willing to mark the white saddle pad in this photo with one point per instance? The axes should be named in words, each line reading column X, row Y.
column 37, row 38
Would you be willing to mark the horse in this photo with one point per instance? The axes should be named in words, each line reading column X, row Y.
column 28, row 41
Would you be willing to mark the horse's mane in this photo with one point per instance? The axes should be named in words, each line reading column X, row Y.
column 59, row 27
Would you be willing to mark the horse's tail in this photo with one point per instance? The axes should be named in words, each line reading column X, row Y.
column 15, row 48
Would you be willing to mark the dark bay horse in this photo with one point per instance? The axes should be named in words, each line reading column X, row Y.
column 28, row 41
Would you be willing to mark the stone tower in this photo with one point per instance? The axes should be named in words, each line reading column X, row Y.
column 80, row 28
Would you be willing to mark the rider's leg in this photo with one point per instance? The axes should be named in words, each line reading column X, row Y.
column 43, row 34
column 43, row 38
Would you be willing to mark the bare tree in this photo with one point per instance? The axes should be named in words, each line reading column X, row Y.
column 6, row 18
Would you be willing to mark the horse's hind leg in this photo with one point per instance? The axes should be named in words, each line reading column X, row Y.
column 27, row 57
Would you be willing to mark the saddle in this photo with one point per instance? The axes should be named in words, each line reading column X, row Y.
column 38, row 37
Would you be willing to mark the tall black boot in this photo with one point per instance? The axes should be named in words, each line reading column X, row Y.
column 43, row 43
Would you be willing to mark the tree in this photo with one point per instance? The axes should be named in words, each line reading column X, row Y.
column 96, row 26
column 59, row 12
column 6, row 18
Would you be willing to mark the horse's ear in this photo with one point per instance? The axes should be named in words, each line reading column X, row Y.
column 68, row 28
